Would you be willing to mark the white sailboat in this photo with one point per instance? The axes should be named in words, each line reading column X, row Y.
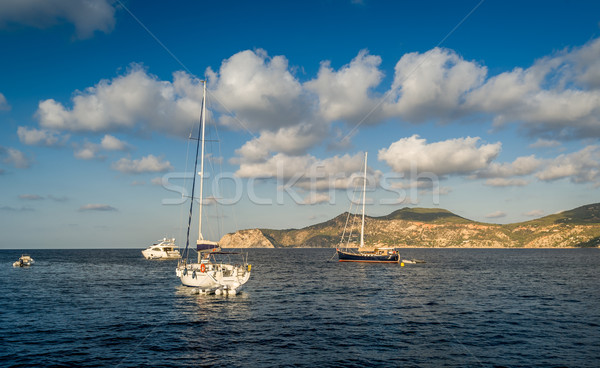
column 210, row 273
column 366, row 254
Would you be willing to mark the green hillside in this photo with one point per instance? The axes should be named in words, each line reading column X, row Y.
column 434, row 215
column 433, row 227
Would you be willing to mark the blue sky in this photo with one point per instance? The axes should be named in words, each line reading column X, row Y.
column 489, row 109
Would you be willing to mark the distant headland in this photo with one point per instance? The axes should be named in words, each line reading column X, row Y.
column 436, row 228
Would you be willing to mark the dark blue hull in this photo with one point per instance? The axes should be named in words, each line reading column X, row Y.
column 368, row 257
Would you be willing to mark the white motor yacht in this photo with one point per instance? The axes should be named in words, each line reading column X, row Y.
column 163, row 249
column 24, row 261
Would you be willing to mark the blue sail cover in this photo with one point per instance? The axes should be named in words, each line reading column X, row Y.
column 206, row 245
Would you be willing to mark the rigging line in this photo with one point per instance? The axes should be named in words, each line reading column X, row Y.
column 241, row 123
column 352, row 203
column 441, row 324
column 347, row 219
column 154, row 37
column 182, row 208
column 137, row 346
column 345, row 226
column 232, row 114
column 388, row 93
column 187, row 240
column 220, row 163
column 178, row 62
column 183, row 66
column 218, row 210
column 211, row 161
column 346, row 242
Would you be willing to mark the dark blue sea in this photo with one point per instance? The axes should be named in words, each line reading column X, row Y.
column 463, row 308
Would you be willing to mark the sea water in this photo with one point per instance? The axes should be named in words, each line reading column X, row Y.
column 463, row 308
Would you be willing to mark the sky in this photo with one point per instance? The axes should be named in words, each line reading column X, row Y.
column 489, row 109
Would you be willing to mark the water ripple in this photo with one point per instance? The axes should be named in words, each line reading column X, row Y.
column 112, row 308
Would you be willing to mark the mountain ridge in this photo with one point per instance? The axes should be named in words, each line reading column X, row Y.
column 433, row 227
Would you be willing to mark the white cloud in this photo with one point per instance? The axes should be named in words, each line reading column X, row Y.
column 494, row 215
column 86, row 16
column 40, row 137
column 132, row 102
column 31, row 197
column 345, row 94
column 89, row 151
column 290, row 166
column 316, row 198
column 258, row 92
column 545, row 143
column 279, row 165
column 157, row 181
column 111, row 143
column 557, row 97
column 534, row 213
column 308, row 172
column 458, row 156
column 216, row 160
column 58, row 198
column 432, row 85
column 521, row 166
column 15, row 209
column 146, row 164
column 14, row 157
column 288, row 140
column 4, row 106
column 341, row 140
column 583, row 64
column 504, row 182
column 96, row 207
column 581, row 167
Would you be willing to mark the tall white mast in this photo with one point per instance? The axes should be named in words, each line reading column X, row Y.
column 200, row 237
column 362, row 229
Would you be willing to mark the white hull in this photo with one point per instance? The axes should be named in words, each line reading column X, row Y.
column 209, row 274
column 164, row 249
column 153, row 254
column 24, row 261
column 213, row 277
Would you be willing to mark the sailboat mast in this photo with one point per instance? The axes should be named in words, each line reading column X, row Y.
column 362, row 229
column 200, row 237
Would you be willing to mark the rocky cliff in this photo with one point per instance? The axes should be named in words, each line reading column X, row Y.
column 422, row 227
column 252, row 238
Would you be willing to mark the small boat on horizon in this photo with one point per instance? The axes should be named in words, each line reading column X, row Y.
column 366, row 254
column 24, row 261
column 163, row 249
